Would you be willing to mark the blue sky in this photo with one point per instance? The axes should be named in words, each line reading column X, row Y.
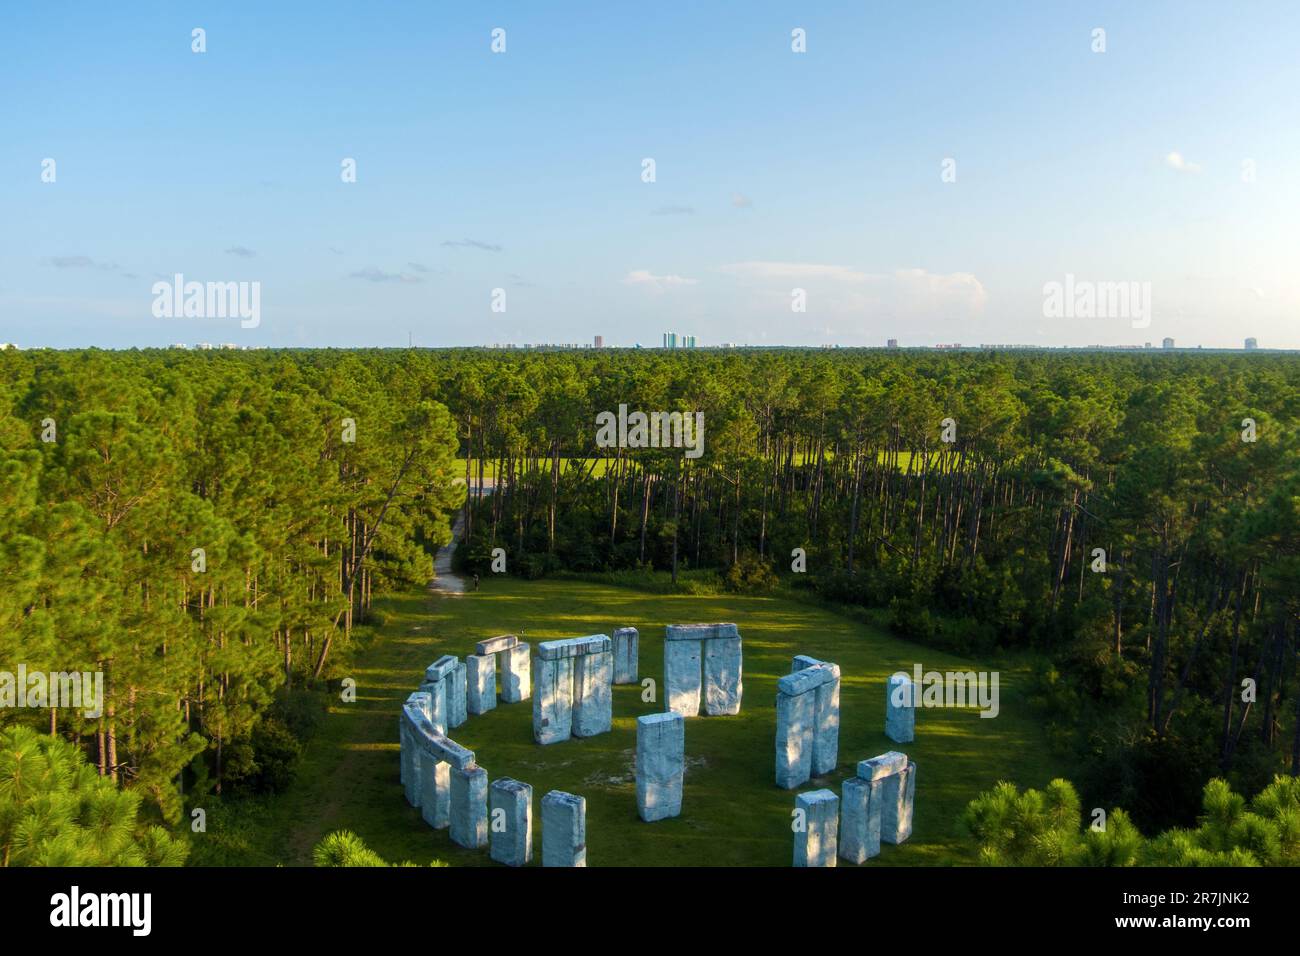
column 775, row 170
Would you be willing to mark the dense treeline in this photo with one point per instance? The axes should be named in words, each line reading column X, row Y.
column 986, row 540
column 1049, row 828
column 206, row 530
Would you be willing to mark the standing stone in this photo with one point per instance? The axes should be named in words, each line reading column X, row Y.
column 722, row 680
column 682, row 675
column 481, row 673
column 516, row 674
column 660, row 765
column 564, row 829
column 860, row 807
column 469, row 825
column 435, row 792
column 422, row 702
column 593, row 711
column 510, row 822
column 438, row 703
column 900, row 709
column 626, row 664
column 457, row 712
column 816, row 845
column 417, row 703
column 802, row 662
column 794, row 719
column 826, row 731
column 553, row 700
column 796, row 713
column 899, row 792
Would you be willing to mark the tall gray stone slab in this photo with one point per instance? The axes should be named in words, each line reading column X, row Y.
column 438, row 703
column 826, row 725
column 682, row 676
column 722, row 677
column 435, row 792
column 469, row 821
column 495, row 644
column 794, row 725
column 564, row 829
column 817, row 844
column 481, row 675
column 626, row 665
column 900, row 709
column 510, row 822
column 415, row 710
column 660, row 765
column 593, row 702
column 421, row 701
column 899, row 794
column 457, row 686
column 553, row 700
column 516, row 674
column 860, row 811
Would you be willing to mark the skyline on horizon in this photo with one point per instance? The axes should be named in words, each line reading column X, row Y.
column 922, row 174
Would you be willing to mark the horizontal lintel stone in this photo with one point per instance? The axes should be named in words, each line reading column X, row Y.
column 810, row 678
column 885, row 765
column 440, row 668
column 699, row 632
column 574, row 647
column 494, row 644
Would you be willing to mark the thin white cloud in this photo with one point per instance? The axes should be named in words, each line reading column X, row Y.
column 741, row 201
column 80, row 262
column 646, row 279
column 1178, row 161
column 472, row 244
column 242, row 252
column 793, row 270
column 378, row 275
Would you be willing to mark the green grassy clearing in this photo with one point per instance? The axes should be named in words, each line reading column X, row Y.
column 733, row 814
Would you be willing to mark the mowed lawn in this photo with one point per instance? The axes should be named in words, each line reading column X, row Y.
column 733, row 814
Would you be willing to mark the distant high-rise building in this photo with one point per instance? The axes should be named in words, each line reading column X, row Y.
column 1168, row 343
column 1251, row 345
column 891, row 343
column 600, row 341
